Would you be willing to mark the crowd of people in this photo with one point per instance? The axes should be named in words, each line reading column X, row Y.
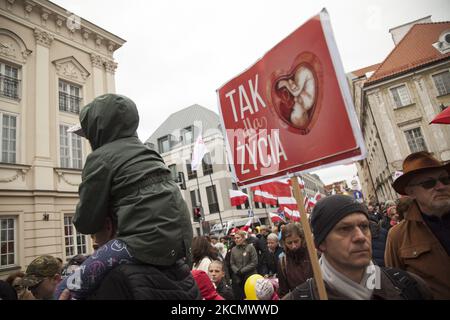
column 145, row 249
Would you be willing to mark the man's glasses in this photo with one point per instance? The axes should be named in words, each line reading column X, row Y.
column 431, row 183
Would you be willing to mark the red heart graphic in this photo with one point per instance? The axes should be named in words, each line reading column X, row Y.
column 296, row 94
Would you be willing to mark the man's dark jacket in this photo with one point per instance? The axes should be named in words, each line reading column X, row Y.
column 146, row 282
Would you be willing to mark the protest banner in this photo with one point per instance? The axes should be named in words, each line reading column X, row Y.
column 291, row 112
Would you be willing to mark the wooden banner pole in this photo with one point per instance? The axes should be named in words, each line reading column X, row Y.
column 309, row 240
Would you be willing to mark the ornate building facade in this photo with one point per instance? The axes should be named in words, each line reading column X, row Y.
column 396, row 100
column 51, row 64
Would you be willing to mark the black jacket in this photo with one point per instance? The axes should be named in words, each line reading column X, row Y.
column 379, row 236
column 147, row 282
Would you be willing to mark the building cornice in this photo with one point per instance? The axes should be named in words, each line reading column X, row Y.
column 84, row 23
column 408, row 73
column 47, row 11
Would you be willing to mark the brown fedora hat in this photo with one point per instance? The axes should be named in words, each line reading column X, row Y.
column 415, row 163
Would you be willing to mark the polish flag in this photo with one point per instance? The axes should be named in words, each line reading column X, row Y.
column 293, row 215
column 301, row 182
column 287, row 202
column 317, row 196
column 237, row 197
column 276, row 188
column 247, row 225
column 264, row 197
column 309, row 202
column 275, row 217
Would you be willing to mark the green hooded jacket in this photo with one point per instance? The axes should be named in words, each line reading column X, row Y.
column 125, row 178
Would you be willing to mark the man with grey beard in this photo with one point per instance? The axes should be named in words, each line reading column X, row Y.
column 421, row 243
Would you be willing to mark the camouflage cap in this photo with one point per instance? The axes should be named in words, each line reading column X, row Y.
column 39, row 269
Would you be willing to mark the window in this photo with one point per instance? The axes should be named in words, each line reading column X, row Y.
column 9, row 81
column 173, row 172
column 191, row 174
column 187, row 135
column 207, row 165
column 8, row 124
column 415, row 140
column 75, row 242
column 442, row 83
column 7, row 242
column 195, row 198
column 401, row 96
column 69, row 97
column 69, row 148
column 163, row 144
column 212, row 199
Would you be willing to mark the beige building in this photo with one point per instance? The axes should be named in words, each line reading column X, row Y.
column 51, row 64
column 396, row 100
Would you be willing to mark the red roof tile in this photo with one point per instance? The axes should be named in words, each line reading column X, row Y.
column 414, row 50
column 361, row 72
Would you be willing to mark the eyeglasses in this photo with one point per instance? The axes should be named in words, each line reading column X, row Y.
column 431, row 183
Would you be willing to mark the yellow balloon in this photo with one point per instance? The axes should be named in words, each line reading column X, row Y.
column 249, row 287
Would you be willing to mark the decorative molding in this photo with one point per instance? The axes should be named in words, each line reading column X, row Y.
column 96, row 60
column 28, row 6
column 13, row 47
column 59, row 22
column 43, row 38
column 21, row 172
column 98, row 40
column 45, row 13
column 61, row 176
column 111, row 47
column 418, row 80
column 110, row 66
column 410, row 121
column 71, row 68
column 85, row 33
column 9, row 4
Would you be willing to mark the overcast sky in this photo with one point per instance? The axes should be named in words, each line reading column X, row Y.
column 179, row 52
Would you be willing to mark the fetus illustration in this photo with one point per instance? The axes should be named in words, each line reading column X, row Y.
column 302, row 88
column 295, row 93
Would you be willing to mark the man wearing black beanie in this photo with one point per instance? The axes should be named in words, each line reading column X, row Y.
column 340, row 226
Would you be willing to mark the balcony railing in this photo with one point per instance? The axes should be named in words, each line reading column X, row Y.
column 69, row 103
column 9, row 87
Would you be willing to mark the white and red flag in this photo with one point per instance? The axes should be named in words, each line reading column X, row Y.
column 247, row 225
column 287, row 202
column 275, row 217
column 264, row 197
column 199, row 152
column 237, row 197
column 317, row 196
column 293, row 215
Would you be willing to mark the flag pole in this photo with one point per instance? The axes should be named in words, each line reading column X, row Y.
column 309, row 240
column 201, row 205
column 218, row 208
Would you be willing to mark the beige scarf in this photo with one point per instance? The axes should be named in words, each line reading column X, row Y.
column 348, row 288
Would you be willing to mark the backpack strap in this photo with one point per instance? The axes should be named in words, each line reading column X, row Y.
column 405, row 283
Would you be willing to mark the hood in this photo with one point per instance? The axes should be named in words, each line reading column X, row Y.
column 108, row 118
